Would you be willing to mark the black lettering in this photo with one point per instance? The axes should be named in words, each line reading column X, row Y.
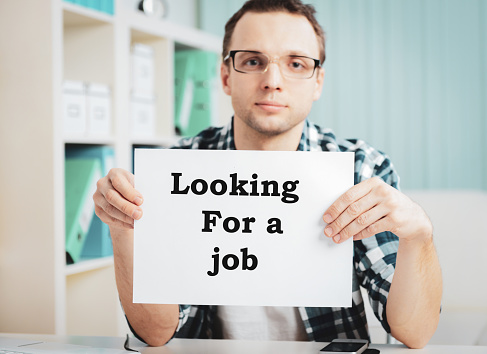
column 254, row 185
column 209, row 221
column 238, row 186
column 274, row 226
column 194, row 186
column 176, row 189
column 247, row 221
column 289, row 186
column 236, row 224
column 235, row 262
column 223, row 187
column 275, row 188
column 246, row 257
column 215, row 263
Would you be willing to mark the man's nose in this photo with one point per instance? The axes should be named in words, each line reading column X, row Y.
column 272, row 78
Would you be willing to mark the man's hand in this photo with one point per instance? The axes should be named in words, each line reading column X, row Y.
column 117, row 203
column 371, row 207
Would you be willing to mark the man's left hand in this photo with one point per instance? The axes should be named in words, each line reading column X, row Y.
column 371, row 207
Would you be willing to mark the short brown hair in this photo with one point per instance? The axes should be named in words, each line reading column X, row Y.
column 261, row 6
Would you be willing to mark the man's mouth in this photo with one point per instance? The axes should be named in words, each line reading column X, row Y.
column 270, row 106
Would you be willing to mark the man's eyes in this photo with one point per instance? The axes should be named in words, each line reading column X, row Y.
column 297, row 64
column 253, row 62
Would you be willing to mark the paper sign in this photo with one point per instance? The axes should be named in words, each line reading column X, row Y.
column 240, row 228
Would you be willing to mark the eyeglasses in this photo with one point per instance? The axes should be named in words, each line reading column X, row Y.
column 291, row 66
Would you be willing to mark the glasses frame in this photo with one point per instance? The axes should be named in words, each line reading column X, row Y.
column 232, row 53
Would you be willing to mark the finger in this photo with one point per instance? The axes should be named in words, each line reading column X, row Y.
column 362, row 222
column 379, row 226
column 115, row 199
column 109, row 209
column 352, row 195
column 123, row 182
column 113, row 222
column 352, row 212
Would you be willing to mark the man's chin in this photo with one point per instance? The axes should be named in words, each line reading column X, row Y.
column 270, row 126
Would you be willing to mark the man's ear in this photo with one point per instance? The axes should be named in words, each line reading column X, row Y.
column 319, row 83
column 225, row 77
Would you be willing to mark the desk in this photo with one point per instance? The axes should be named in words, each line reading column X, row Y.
column 202, row 346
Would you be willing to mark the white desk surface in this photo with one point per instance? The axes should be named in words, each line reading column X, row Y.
column 186, row 346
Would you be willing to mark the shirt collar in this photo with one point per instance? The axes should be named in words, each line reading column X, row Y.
column 311, row 138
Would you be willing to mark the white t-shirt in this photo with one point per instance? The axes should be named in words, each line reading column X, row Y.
column 261, row 323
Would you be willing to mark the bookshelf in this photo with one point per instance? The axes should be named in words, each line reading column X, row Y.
column 43, row 43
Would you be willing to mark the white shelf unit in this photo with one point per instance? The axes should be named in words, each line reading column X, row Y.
column 43, row 43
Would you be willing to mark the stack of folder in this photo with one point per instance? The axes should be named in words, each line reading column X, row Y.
column 84, row 166
column 196, row 90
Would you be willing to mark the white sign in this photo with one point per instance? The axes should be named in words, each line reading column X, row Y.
column 240, row 228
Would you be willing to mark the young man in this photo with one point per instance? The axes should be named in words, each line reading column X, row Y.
column 272, row 54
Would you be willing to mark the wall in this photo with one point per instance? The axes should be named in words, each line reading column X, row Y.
column 409, row 77
column 460, row 238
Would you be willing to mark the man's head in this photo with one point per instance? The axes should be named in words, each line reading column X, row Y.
column 272, row 72
column 260, row 6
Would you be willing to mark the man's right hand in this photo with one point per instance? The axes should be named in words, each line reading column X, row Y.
column 117, row 202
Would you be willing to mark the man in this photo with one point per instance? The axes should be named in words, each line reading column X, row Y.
column 272, row 54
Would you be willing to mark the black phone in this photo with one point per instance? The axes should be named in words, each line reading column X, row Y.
column 348, row 346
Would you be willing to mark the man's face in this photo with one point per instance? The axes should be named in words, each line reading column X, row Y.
column 270, row 104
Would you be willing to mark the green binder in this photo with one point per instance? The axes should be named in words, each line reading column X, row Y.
column 98, row 242
column 81, row 176
column 196, row 90
column 183, row 90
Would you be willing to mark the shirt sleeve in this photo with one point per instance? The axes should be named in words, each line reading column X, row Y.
column 375, row 257
column 184, row 314
column 195, row 321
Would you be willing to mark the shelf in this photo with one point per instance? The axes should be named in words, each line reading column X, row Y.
column 76, row 15
column 154, row 141
column 89, row 140
column 88, row 265
column 71, row 42
column 147, row 28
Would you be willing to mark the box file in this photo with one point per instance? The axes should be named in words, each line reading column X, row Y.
column 74, row 107
column 98, row 242
column 99, row 109
column 196, row 90
column 81, row 176
column 142, row 116
column 142, row 69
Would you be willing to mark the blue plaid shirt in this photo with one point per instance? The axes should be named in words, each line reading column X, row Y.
column 374, row 258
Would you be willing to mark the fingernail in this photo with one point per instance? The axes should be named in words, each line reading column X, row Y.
column 337, row 238
column 138, row 200
column 136, row 214
column 328, row 218
column 328, row 231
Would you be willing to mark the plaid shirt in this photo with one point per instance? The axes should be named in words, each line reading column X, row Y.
column 374, row 258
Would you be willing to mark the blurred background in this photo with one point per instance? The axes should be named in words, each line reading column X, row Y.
column 407, row 76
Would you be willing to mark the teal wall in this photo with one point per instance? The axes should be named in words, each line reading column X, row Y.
column 409, row 77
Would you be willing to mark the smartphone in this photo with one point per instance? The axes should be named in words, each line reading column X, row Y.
column 350, row 346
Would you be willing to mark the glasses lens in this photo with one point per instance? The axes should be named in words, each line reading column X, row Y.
column 249, row 62
column 291, row 65
column 298, row 67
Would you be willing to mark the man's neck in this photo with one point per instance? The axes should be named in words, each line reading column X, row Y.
column 249, row 139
